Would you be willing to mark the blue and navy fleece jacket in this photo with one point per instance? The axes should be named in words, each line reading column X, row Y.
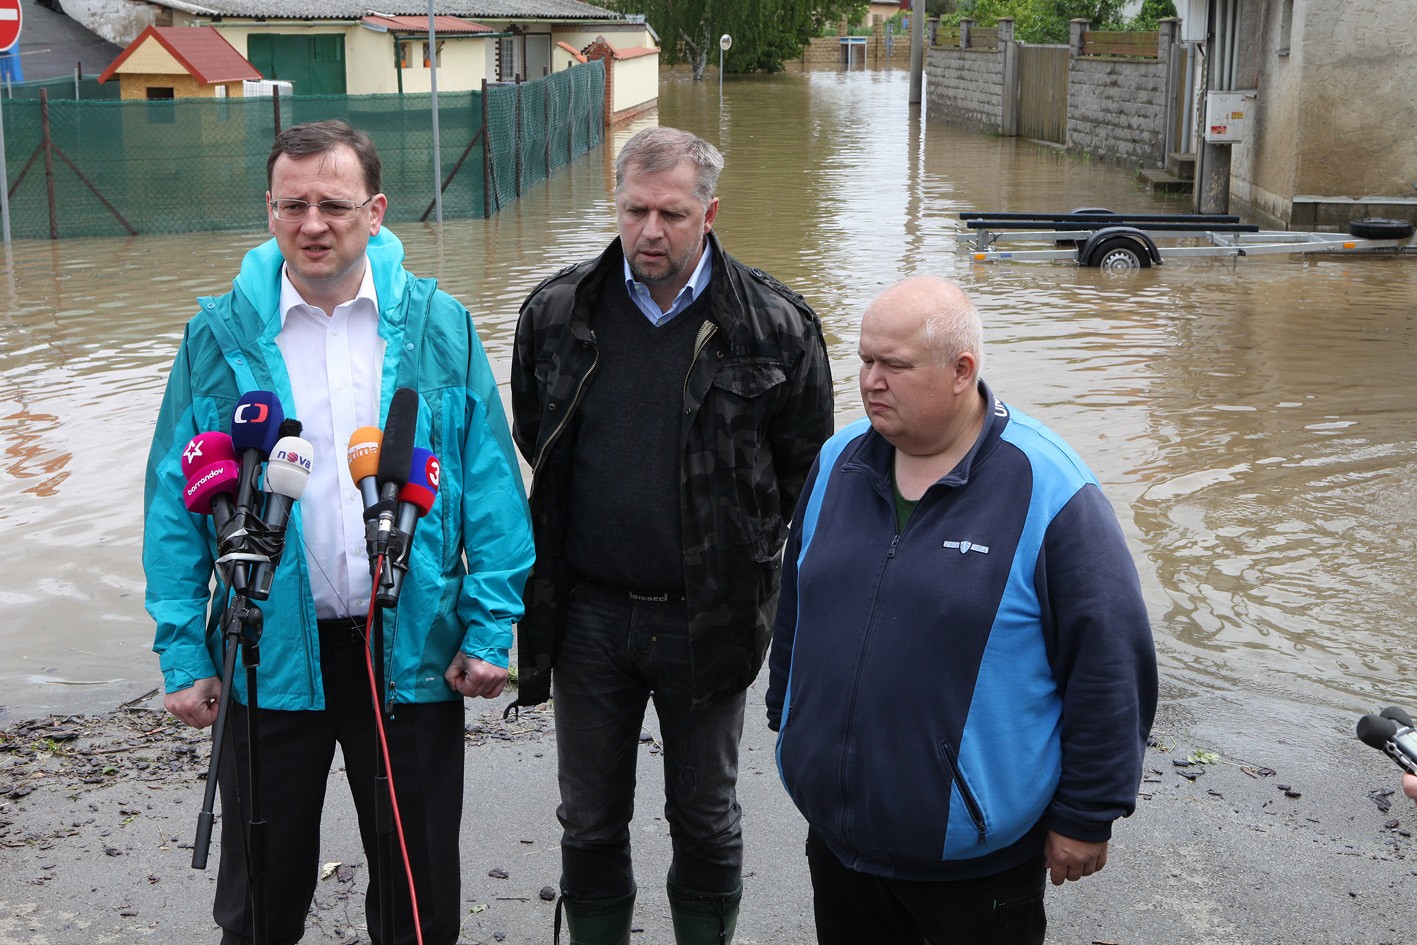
column 947, row 692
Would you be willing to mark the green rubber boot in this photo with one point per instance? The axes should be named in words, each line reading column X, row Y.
column 596, row 921
column 702, row 918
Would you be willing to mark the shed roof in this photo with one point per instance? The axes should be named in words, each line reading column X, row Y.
column 201, row 50
column 357, row 9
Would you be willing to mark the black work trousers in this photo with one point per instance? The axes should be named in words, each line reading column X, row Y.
column 296, row 750
column 853, row 907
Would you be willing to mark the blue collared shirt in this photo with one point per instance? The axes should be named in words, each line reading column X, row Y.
column 696, row 286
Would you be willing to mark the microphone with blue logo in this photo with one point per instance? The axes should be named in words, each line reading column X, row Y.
column 255, row 428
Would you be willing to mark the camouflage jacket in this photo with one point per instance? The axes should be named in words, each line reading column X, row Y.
column 757, row 407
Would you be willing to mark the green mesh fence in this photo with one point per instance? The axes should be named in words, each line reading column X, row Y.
column 87, row 87
column 189, row 165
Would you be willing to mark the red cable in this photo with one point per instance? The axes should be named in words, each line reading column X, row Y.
column 388, row 765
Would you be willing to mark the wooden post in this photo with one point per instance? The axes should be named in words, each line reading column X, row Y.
column 546, row 109
column 48, row 146
column 275, row 104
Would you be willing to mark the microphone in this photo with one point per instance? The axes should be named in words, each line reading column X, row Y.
column 203, row 450
column 209, row 464
column 363, row 459
column 255, row 427
column 1392, row 734
column 395, row 460
column 415, row 500
column 287, row 474
column 418, row 494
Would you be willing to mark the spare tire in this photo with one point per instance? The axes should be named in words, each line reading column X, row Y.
column 1381, row 228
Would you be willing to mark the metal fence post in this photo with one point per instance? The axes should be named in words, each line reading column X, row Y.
column 48, row 161
column 518, row 136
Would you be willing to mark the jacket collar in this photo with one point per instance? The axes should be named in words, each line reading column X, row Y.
column 874, row 455
column 726, row 305
column 258, row 283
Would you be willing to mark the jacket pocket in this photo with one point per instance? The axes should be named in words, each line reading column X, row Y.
column 962, row 792
column 744, row 396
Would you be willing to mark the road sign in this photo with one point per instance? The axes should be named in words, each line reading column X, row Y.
column 10, row 18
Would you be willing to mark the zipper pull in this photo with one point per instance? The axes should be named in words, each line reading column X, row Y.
column 894, row 541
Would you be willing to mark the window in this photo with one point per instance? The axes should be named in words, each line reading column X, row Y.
column 404, row 48
column 1286, row 26
column 159, row 93
column 440, row 55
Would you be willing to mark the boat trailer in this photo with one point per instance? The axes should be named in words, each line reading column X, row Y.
column 1107, row 240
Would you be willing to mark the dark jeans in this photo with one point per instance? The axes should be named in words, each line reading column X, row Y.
column 852, row 907
column 296, row 750
column 616, row 654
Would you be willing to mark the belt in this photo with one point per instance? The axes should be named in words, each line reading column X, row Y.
column 342, row 630
column 648, row 595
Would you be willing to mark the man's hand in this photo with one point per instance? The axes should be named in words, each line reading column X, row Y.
column 473, row 678
column 196, row 705
column 1067, row 858
column 1409, row 786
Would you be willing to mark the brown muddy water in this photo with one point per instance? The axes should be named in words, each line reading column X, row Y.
column 1253, row 421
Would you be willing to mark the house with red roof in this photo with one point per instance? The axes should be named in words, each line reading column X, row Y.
column 166, row 62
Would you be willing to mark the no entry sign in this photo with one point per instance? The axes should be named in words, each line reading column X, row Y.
column 10, row 18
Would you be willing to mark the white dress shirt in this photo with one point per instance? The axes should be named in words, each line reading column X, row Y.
column 335, row 363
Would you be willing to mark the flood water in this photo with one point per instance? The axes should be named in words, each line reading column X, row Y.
column 1253, row 421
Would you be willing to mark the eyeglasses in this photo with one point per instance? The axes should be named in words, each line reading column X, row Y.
column 288, row 210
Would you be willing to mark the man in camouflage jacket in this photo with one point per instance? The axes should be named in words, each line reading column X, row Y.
column 665, row 470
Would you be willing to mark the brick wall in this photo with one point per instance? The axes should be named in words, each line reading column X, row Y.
column 965, row 87
column 1116, row 106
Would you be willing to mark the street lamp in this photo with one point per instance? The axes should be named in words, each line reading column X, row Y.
column 724, row 42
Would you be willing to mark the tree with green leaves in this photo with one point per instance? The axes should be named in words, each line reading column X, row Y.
column 766, row 33
column 1042, row 21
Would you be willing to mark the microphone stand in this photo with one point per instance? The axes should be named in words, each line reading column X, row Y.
column 243, row 624
column 383, row 798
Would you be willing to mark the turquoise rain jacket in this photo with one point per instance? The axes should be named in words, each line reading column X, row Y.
column 471, row 553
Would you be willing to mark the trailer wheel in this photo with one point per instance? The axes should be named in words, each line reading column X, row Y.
column 1381, row 228
column 1119, row 253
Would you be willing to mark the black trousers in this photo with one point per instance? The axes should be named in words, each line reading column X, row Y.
column 852, row 908
column 296, row 750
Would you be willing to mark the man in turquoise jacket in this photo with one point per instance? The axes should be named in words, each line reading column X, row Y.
column 326, row 317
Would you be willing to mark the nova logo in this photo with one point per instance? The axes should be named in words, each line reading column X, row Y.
column 244, row 413
column 293, row 458
column 431, row 471
column 965, row 547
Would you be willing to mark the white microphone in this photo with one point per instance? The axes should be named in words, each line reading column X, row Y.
column 287, row 474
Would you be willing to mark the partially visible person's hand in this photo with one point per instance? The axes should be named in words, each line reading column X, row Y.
column 472, row 677
column 1069, row 859
column 1409, row 786
column 197, row 704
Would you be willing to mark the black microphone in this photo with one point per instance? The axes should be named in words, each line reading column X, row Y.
column 395, row 460
column 1392, row 734
column 255, row 427
column 287, row 474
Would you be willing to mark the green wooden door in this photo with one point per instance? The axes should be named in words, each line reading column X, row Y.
column 314, row 65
